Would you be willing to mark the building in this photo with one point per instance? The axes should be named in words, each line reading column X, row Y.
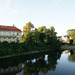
column 64, row 39
column 10, row 34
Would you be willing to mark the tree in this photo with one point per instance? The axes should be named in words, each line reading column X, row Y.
column 52, row 31
column 52, row 28
column 51, row 35
column 71, row 33
column 28, row 27
column 42, row 31
column 27, row 34
column 35, row 35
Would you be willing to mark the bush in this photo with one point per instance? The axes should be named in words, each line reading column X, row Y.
column 17, row 48
column 71, row 42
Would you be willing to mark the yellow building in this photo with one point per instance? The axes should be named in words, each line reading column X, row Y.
column 10, row 34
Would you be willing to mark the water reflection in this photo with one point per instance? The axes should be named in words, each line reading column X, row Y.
column 30, row 64
column 66, row 51
column 71, row 57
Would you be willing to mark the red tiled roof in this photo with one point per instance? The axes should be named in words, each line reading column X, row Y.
column 9, row 28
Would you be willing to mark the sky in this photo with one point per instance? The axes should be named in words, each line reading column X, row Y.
column 57, row 13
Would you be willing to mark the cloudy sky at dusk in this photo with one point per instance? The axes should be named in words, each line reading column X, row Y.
column 57, row 13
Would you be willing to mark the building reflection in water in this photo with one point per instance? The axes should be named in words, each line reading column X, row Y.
column 66, row 51
column 11, row 70
column 32, row 64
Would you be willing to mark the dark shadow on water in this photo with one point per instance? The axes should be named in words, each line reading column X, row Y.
column 30, row 64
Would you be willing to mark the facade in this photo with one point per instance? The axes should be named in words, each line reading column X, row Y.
column 10, row 34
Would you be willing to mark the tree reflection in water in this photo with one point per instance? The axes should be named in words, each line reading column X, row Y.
column 41, row 65
column 71, row 57
column 34, row 67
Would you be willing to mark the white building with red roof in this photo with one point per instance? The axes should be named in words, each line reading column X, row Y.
column 10, row 34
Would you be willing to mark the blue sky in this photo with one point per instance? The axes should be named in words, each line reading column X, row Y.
column 57, row 13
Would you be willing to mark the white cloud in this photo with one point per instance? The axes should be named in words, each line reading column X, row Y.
column 6, row 8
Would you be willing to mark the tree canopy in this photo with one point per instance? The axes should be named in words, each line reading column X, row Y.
column 52, row 28
column 40, row 35
column 71, row 33
column 28, row 27
column 27, row 34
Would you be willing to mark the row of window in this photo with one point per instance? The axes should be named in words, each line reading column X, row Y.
column 4, row 33
column 9, row 38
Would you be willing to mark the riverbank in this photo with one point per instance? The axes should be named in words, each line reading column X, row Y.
column 67, row 47
column 26, row 53
column 20, row 48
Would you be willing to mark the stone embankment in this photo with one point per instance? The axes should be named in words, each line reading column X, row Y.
column 67, row 47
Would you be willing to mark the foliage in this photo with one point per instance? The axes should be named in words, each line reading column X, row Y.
column 71, row 42
column 42, row 29
column 27, row 28
column 40, row 35
column 27, row 32
column 71, row 33
column 52, row 28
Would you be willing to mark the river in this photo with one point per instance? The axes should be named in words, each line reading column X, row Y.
column 43, row 63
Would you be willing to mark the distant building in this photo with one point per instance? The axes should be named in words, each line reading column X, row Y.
column 59, row 38
column 10, row 34
column 64, row 39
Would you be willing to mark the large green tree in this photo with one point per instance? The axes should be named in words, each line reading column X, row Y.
column 27, row 34
column 42, row 31
column 28, row 27
column 71, row 33
column 52, row 32
column 35, row 36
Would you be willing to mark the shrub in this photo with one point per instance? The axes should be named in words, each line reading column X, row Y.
column 71, row 42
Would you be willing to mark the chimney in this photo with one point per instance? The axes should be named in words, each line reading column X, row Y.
column 13, row 25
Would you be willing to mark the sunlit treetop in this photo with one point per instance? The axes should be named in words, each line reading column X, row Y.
column 52, row 28
column 42, row 29
column 28, row 27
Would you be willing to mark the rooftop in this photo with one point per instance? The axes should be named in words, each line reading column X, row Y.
column 9, row 28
